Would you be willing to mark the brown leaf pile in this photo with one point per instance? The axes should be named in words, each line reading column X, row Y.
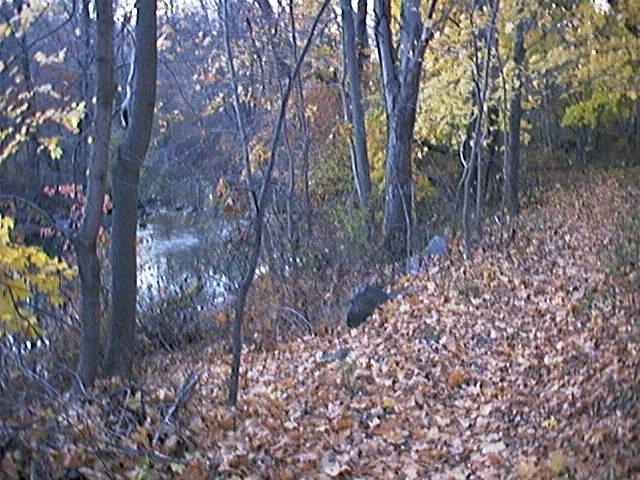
column 521, row 363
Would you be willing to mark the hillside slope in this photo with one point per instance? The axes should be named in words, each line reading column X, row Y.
column 522, row 363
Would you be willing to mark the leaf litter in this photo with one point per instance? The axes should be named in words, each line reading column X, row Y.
column 520, row 363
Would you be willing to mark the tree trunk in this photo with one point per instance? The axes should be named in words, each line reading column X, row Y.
column 90, row 312
column 362, row 39
column 398, row 203
column 401, row 69
column 361, row 169
column 85, row 241
column 512, row 163
column 125, row 175
column 82, row 150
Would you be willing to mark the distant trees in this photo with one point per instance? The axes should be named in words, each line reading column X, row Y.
column 598, row 71
column 39, row 113
column 482, row 54
column 26, row 144
column 259, row 198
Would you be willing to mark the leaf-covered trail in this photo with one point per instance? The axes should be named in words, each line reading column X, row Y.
column 520, row 364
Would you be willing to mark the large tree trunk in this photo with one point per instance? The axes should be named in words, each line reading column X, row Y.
column 125, row 176
column 85, row 241
column 401, row 69
column 512, row 163
column 398, row 195
column 361, row 158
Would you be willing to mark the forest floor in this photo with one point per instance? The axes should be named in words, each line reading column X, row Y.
column 523, row 362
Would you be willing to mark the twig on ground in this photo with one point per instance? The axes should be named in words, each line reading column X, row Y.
column 181, row 398
column 116, row 450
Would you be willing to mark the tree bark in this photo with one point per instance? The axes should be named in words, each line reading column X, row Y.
column 85, row 241
column 401, row 69
column 512, row 163
column 125, row 176
column 362, row 39
column 82, row 150
column 398, row 174
column 361, row 170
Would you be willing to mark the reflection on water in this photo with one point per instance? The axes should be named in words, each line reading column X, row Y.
column 180, row 241
column 175, row 257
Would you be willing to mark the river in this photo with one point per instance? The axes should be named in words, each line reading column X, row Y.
column 180, row 253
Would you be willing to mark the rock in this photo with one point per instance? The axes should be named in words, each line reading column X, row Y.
column 437, row 247
column 364, row 303
column 339, row 354
column 419, row 262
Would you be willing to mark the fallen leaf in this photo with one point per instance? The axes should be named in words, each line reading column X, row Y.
column 331, row 466
column 388, row 402
column 493, row 447
column 456, row 378
column 558, row 462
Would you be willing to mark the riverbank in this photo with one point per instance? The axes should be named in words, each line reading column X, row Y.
column 520, row 363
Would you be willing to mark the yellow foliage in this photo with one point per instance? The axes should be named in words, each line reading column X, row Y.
column 376, row 144
column 24, row 272
column 52, row 145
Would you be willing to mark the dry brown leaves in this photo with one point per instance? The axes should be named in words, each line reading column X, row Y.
column 522, row 363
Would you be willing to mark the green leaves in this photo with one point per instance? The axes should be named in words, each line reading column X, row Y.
column 601, row 108
column 595, row 58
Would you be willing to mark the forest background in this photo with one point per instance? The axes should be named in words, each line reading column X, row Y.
column 305, row 148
